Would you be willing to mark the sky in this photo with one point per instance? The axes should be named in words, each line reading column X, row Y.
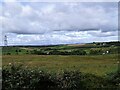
column 51, row 23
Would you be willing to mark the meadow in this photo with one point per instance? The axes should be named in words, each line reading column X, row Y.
column 57, row 67
column 95, row 58
column 94, row 64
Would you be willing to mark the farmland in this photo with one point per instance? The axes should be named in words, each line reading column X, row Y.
column 74, row 49
column 98, row 65
column 95, row 60
column 85, row 66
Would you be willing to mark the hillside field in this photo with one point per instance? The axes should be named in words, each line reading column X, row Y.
column 98, row 64
column 95, row 58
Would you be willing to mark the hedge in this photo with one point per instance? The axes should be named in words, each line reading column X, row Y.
column 17, row 77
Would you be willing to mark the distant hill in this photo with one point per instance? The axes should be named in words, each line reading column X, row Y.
column 65, row 49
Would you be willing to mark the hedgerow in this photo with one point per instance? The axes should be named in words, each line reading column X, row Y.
column 21, row 78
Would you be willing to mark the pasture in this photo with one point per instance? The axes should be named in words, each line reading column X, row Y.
column 84, row 66
column 95, row 64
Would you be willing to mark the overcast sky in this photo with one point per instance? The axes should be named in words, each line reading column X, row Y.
column 43, row 23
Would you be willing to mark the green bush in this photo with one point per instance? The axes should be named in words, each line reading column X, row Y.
column 71, row 80
column 18, row 77
column 40, row 52
column 95, row 52
column 114, row 79
column 78, row 52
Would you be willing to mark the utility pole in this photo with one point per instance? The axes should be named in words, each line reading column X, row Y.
column 5, row 41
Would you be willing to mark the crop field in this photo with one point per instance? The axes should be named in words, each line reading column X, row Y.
column 94, row 64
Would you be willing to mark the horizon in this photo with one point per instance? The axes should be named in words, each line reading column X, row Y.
column 57, row 44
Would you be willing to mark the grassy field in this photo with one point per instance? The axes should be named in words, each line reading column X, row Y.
column 95, row 61
column 97, row 64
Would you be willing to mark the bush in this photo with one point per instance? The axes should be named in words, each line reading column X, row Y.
column 114, row 79
column 17, row 78
column 40, row 52
column 95, row 52
column 71, row 80
column 78, row 52
column 8, row 53
column 91, row 81
column 55, row 52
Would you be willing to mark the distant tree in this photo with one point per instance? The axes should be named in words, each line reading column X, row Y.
column 19, row 50
column 16, row 51
column 8, row 53
column 65, row 53
column 27, row 52
column 55, row 52
column 78, row 52
column 39, row 52
column 96, row 52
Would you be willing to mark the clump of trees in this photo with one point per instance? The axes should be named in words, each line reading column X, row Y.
column 40, row 52
column 57, row 52
column 96, row 52
column 78, row 52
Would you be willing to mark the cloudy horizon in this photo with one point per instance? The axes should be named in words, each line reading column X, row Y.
column 48, row 23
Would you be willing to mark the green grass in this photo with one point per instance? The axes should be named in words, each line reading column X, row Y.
column 98, row 65
column 27, row 50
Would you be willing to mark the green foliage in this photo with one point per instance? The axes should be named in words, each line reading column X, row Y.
column 71, row 80
column 55, row 52
column 40, row 52
column 114, row 78
column 95, row 52
column 18, row 77
column 78, row 52
column 89, row 49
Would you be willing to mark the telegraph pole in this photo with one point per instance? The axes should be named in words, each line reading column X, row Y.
column 5, row 41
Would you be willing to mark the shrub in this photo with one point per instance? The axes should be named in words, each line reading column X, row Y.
column 71, row 80
column 95, row 52
column 17, row 78
column 114, row 79
column 40, row 52
column 8, row 53
column 78, row 52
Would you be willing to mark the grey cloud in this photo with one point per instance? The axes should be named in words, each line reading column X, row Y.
column 63, row 17
column 60, row 20
column 103, row 34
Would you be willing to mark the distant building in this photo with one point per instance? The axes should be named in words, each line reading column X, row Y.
column 107, row 52
column 104, row 44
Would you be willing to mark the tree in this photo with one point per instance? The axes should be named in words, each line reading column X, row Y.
column 16, row 51
column 78, row 52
